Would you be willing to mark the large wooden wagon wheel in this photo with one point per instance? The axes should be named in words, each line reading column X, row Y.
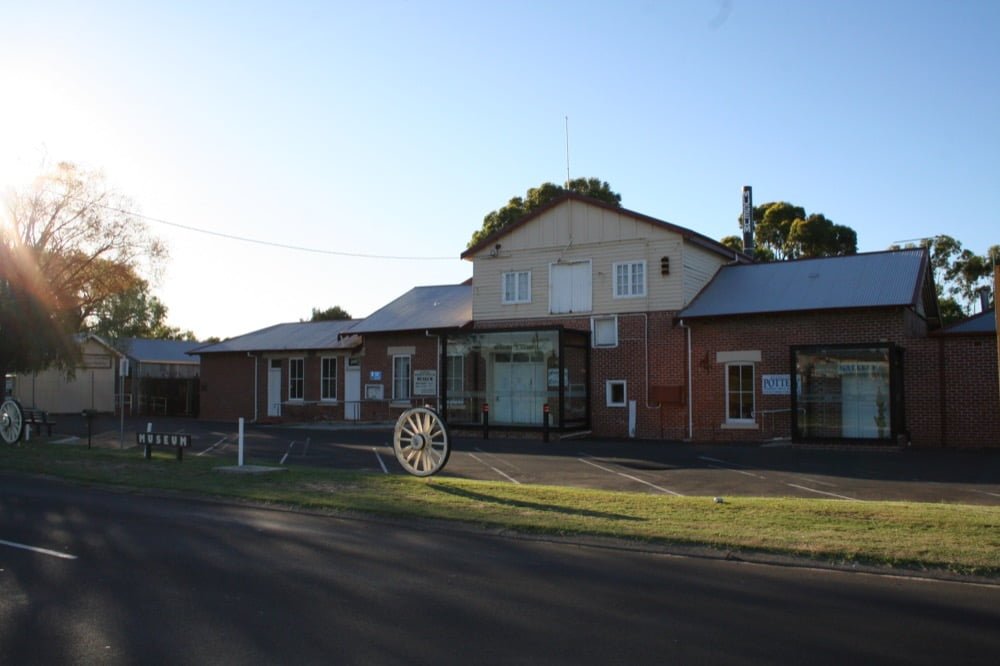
column 11, row 421
column 421, row 441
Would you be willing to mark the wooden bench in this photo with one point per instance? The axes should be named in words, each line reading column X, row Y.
column 37, row 418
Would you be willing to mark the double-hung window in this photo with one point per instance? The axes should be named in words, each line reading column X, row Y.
column 516, row 287
column 401, row 377
column 296, row 378
column 630, row 279
column 328, row 378
column 739, row 393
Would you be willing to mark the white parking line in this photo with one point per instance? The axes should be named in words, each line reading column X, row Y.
column 500, row 472
column 984, row 492
column 36, row 549
column 731, row 466
column 631, row 478
column 823, row 492
column 285, row 457
column 385, row 470
column 201, row 453
column 811, row 480
column 738, row 471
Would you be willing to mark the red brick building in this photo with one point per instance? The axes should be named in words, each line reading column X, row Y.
column 594, row 318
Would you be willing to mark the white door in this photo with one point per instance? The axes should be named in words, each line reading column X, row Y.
column 570, row 287
column 274, row 389
column 519, row 388
column 352, row 390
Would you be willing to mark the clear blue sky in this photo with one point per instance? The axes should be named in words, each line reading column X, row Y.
column 392, row 128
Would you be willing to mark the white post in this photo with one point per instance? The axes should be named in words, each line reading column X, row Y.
column 241, row 443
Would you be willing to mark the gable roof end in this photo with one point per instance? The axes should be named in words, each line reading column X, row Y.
column 686, row 234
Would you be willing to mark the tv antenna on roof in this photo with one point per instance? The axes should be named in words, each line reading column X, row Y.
column 567, row 150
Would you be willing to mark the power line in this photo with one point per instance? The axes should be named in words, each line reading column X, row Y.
column 257, row 241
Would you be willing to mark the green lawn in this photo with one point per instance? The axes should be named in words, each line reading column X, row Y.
column 963, row 539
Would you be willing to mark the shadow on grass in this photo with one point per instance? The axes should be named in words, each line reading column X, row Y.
column 535, row 506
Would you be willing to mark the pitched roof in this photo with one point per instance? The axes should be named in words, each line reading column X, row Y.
column 984, row 322
column 299, row 336
column 686, row 234
column 160, row 351
column 877, row 279
column 422, row 308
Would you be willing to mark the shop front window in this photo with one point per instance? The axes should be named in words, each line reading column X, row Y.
column 515, row 374
column 845, row 392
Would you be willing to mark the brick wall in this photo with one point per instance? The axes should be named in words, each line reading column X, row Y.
column 949, row 382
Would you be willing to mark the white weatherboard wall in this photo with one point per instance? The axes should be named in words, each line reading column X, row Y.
column 576, row 231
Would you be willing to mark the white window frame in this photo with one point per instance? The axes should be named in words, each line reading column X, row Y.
column 594, row 323
column 609, row 392
column 396, row 385
column 297, row 378
column 745, row 390
column 521, row 292
column 328, row 381
column 626, row 282
column 455, row 381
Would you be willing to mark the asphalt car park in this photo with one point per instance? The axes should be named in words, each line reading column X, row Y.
column 658, row 467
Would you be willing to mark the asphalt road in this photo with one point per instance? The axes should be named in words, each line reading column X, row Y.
column 669, row 468
column 92, row 576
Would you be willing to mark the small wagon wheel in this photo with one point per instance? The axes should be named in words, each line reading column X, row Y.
column 421, row 441
column 11, row 421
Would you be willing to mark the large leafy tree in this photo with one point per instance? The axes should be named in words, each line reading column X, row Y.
column 134, row 313
column 536, row 197
column 959, row 275
column 330, row 314
column 785, row 231
column 68, row 244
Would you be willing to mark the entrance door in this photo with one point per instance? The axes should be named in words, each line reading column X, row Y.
column 274, row 388
column 519, row 388
column 352, row 390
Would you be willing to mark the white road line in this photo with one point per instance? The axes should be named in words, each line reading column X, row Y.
column 498, row 459
column 810, row 480
column 738, row 471
column 823, row 492
column 984, row 492
column 36, row 549
column 631, row 478
column 285, row 457
column 501, row 473
column 201, row 453
column 721, row 462
column 385, row 470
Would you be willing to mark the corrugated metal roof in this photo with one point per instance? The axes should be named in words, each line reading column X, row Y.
column 287, row 337
column 160, row 351
column 984, row 322
column 421, row 308
column 877, row 279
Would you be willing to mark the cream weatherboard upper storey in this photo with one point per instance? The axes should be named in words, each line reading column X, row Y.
column 633, row 263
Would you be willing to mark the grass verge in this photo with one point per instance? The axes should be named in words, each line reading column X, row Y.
column 962, row 539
